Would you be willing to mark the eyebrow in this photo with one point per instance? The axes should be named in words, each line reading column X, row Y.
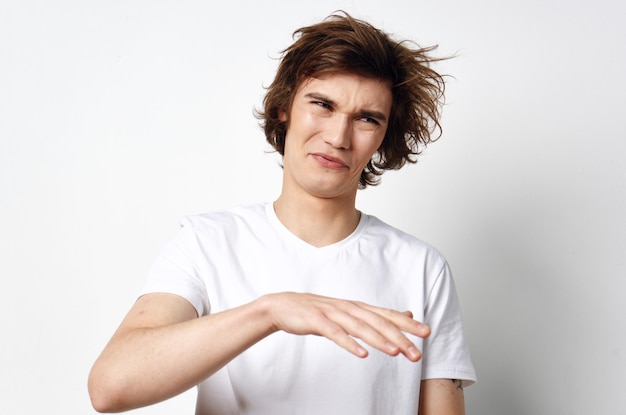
column 377, row 115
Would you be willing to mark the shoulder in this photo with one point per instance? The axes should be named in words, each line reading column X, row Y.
column 390, row 238
column 222, row 227
column 226, row 219
column 391, row 234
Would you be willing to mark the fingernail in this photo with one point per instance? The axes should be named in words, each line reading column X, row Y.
column 413, row 352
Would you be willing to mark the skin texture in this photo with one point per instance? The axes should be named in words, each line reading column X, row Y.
column 334, row 126
column 331, row 135
column 162, row 340
column 442, row 397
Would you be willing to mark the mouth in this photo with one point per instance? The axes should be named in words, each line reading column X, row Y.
column 329, row 161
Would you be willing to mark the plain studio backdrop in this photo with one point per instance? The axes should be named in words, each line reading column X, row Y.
column 119, row 117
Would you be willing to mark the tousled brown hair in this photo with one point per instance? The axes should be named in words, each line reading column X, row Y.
column 343, row 44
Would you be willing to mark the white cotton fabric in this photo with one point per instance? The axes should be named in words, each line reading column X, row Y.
column 221, row 260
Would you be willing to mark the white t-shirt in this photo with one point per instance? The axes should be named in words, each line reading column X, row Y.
column 221, row 260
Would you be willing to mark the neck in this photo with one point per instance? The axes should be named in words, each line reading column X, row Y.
column 317, row 221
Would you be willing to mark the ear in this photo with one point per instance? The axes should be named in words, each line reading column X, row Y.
column 282, row 116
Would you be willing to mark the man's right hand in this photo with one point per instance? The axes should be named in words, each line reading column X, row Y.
column 342, row 321
column 161, row 339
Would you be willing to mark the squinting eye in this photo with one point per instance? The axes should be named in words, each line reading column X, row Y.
column 322, row 104
column 370, row 120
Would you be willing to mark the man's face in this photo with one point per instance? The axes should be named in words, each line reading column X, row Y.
column 336, row 123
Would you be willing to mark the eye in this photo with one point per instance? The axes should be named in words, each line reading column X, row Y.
column 322, row 104
column 370, row 120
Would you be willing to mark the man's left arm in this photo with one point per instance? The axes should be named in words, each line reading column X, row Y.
column 441, row 397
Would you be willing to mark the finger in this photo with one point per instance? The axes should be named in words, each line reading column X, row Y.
column 337, row 334
column 368, row 327
column 373, row 329
column 387, row 334
column 403, row 320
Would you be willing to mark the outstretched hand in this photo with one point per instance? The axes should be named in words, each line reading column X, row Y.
column 342, row 321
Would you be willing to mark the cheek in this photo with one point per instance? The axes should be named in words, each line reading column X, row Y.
column 310, row 121
column 371, row 144
column 304, row 127
column 365, row 154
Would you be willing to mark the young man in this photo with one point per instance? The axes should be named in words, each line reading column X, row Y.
column 256, row 304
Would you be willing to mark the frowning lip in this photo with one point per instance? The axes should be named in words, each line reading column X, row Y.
column 329, row 161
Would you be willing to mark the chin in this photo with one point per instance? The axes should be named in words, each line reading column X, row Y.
column 332, row 192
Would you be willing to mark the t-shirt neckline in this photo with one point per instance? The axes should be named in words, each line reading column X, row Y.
column 301, row 244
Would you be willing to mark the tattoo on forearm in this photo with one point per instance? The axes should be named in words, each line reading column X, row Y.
column 458, row 383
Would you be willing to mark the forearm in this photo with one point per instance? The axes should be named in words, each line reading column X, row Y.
column 149, row 364
column 162, row 349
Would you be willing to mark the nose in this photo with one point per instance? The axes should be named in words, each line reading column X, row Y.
column 339, row 134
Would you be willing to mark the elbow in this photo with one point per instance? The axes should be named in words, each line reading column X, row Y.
column 105, row 394
column 100, row 399
column 100, row 404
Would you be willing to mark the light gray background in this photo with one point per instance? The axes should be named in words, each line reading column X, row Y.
column 119, row 117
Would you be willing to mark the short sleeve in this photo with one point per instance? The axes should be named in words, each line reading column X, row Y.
column 446, row 354
column 176, row 270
